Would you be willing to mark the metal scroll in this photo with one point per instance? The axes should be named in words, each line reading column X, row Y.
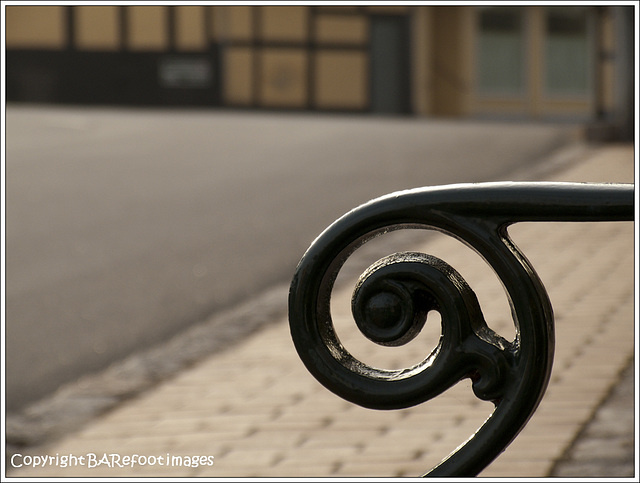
column 392, row 297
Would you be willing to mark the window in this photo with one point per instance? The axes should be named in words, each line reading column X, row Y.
column 342, row 29
column 567, row 65
column 147, row 27
column 501, row 51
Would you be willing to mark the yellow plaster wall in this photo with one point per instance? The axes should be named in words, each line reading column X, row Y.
column 35, row 27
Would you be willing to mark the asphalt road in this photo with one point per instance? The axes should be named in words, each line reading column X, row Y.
column 124, row 227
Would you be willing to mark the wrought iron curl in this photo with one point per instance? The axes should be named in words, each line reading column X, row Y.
column 393, row 296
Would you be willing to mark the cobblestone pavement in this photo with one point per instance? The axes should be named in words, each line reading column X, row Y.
column 605, row 447
column 258, row 413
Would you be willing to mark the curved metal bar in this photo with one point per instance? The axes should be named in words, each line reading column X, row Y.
column 392, row 297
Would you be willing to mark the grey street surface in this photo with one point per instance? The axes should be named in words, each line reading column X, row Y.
column 125, row 227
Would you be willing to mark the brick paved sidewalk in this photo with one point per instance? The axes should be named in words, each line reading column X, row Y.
column 606, row 445
column 259, row 413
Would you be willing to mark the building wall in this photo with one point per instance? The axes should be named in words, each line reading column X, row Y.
column 450, row 66
column 298, row 57
column 322, row 58
column 134, row 55
column 35, row 27
column 556, row 50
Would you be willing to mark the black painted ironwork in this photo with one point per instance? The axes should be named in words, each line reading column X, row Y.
column 392, row 297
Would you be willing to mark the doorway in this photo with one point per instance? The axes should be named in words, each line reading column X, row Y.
column 536, row 62
column 390, row 86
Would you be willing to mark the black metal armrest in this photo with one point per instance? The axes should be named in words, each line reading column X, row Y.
column 392, row 297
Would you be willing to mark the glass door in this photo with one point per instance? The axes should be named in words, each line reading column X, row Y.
column 501, row 52
column 567, row 62
column 535, row 62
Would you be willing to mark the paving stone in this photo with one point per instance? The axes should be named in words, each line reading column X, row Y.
column 259, row 413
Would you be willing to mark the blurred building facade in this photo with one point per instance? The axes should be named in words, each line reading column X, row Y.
column 526, row 62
